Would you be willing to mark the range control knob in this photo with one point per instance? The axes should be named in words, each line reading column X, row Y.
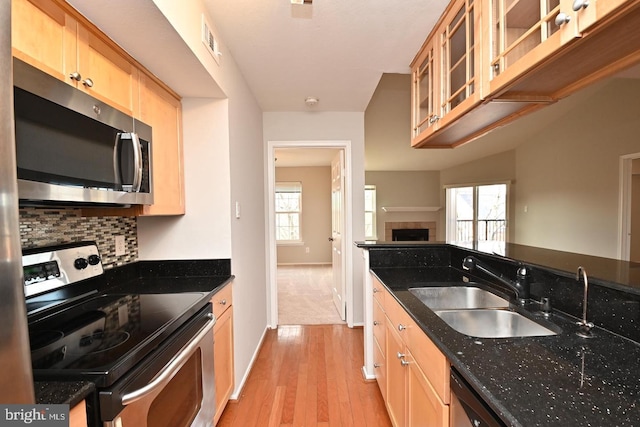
column 80, row 263
column 94, row 259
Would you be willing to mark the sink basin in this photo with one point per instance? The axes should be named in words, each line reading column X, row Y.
column 455, row 297
column 493, row 323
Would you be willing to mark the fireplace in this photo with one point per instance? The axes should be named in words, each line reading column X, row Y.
column 410, row 234
column 409, row 231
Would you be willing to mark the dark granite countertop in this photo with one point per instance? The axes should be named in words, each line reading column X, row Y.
column 62, row 392
column 561, row 380
column 205, row 276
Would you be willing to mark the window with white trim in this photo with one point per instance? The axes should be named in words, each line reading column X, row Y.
column 477, row 213
column 288, row 207
column 370, row 212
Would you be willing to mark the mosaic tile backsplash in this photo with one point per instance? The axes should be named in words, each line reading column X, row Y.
column 45, row 227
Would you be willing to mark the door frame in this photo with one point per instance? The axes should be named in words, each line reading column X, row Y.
column 272, row 255
column 624, row 208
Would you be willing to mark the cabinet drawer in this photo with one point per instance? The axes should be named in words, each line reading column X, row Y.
column 430, row 360
column 379, row 321
column 222, row 300
column 378, row 290
column 399, row 320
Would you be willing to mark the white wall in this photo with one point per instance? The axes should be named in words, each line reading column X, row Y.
column 325, row 126
column 568, row 175
column 224, row 164
column 315, row 219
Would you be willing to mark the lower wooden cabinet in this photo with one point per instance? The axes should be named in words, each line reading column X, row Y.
column 78, row 415
column 223, row 348
column 416, row 374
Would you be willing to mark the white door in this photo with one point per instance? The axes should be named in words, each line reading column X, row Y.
column 337, row 203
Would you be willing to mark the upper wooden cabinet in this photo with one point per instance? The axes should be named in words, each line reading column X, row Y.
column 51, row 36
column 445, row 73
column 515, row 57
column 162, row 110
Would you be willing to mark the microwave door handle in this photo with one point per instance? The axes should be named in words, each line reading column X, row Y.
column 117, row 169
column 167, row 373
column 137, row 160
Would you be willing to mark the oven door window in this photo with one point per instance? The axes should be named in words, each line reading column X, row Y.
column 179, row 402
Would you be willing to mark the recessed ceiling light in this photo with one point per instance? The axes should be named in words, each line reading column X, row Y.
column 301, row 1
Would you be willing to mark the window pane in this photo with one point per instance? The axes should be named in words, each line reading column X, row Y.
column 288, row 207
column 492, row 213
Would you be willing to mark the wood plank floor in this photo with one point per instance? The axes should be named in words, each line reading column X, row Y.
column 308, row 375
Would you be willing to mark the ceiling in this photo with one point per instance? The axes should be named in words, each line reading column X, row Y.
column 335, row 50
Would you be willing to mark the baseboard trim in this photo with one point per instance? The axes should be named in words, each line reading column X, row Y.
column 367, row 376
column 289, row 264
column 238, row 391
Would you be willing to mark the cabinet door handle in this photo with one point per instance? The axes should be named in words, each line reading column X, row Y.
column 562, row 18
column 400, row 355
column 401, row 327
column 75, row 76
column 376, row 290
column 580, row 4
column 404, row 362
column 376, row 365
column 222, row 302
column 376, row 323
column 87, row 82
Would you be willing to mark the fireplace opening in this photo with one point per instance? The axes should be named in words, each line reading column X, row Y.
column 410, row 234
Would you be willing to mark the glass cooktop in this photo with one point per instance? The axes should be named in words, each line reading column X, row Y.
column 101, row 338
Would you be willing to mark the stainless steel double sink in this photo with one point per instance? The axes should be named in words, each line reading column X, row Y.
column 478, row 313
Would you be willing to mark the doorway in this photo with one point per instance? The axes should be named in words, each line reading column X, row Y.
column 629, row 208
column 282, row 154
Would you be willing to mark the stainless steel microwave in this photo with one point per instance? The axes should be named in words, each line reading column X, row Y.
column 72, row 149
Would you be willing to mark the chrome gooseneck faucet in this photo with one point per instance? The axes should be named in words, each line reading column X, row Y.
column 585, row 327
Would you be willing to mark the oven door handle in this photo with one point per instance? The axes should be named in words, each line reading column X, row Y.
column 167, row 373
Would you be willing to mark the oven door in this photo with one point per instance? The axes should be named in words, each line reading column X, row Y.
column 174, row 387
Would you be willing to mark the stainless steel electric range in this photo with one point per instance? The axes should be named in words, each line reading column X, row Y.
column 150, row 355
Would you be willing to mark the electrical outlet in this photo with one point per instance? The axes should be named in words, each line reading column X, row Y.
column 121, row 247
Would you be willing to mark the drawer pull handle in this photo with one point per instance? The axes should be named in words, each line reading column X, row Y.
column 376, row 323
column 401, row 327
column 223, row 302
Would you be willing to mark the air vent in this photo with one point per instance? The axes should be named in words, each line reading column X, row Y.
column 210, row 41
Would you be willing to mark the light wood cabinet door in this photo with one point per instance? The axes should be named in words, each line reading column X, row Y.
column 424, row 407
column 223, row 360
column 524, row 33
column 424, row 78
column 459, row 83
column 44, row 35
column 78, row 415
column 396, row 377
column 163, row 112
column 106, row 73
column 222, row 303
